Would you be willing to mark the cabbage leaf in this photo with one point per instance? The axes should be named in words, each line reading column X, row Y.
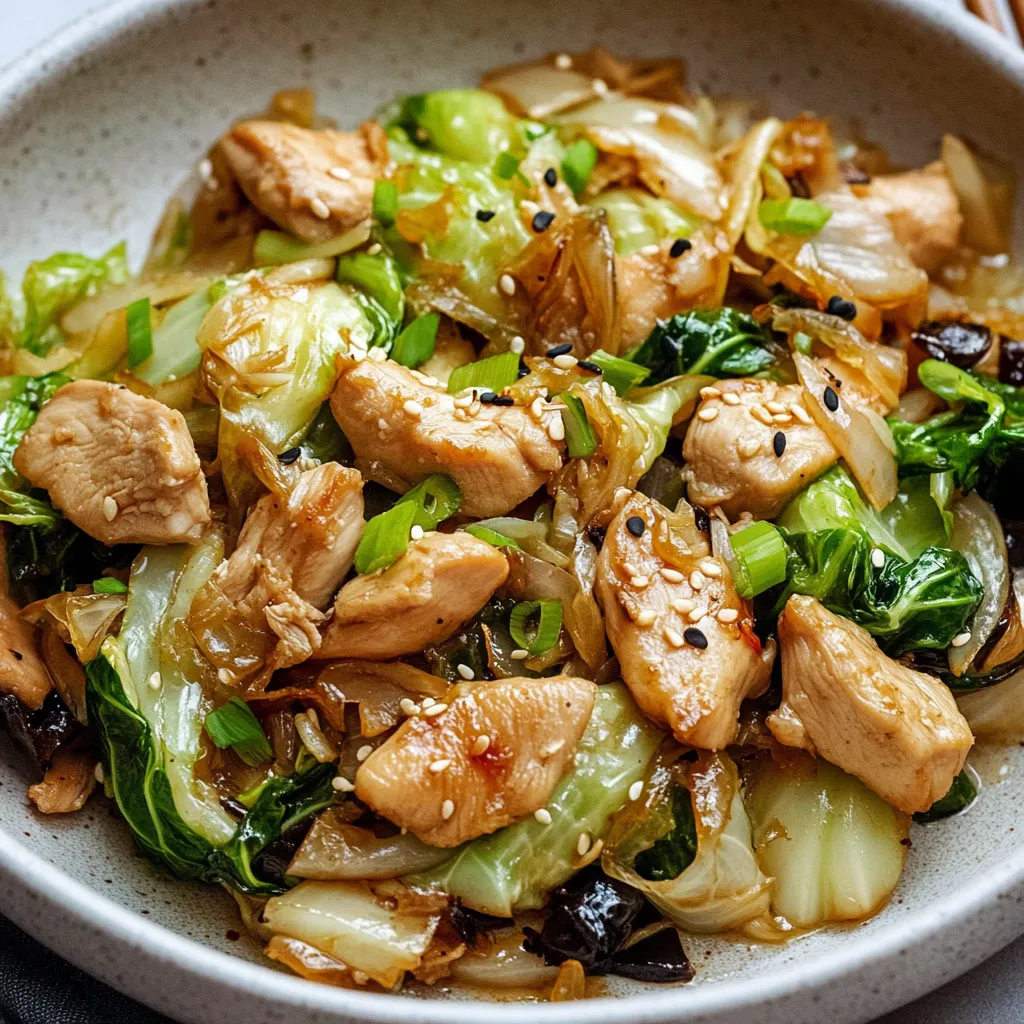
column 637, row 219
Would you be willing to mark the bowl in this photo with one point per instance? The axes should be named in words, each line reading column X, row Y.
column 99, row 125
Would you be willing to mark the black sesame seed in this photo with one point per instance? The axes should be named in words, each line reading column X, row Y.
column 504, row 400
column 779, row 443
column 679, row 246
column 551, row 177
column 596, row 535
column 841, row 307
column 542, row 220
column 701, row 519
column 18, row 656
column 523, row 372
column 487, row 397
column 484, row 216
column 290, row 456
column 584, row 364
column 559, row 350
column 695, row 638
column 831, row 399
column 636, row 526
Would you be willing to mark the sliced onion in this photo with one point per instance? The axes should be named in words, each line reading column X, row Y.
column 996, row 712
column 313, row 738
column 984, row 229
column 504, row 965
column 978, row 536
column 529, row 535
column 540, row 90
column 67, row 674
column 745, row 180
column 918, row 405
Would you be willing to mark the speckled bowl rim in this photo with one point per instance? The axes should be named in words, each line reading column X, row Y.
column 56, row 893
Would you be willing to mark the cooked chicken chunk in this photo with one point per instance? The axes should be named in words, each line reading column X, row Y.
column 493, row 756
column 22, row 672
column 683, row 638
column 315, row 184
column 403, row 429
column 121, row 467
column 899, row 731
column 730, row 451
column 262, row 607
column 441, row 581
column 924, row 211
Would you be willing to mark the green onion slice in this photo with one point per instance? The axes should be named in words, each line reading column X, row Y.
column 140, row 331
column 578, row 164
column 109, row 585
column 794, row 216
column 579, row 434
column 386, row 537
column 506, row 167
column 620, row 373
column 435, row 500
column 234, row 725
column 385, row 202
column 759, row 559
column 415, row 345
column 492, row 374
column 535, row 625
column 273, row 248
column 495, row 539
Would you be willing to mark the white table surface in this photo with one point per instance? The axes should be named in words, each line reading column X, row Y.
column 990, row 994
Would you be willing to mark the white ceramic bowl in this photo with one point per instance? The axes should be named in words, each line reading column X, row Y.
column 96, row 129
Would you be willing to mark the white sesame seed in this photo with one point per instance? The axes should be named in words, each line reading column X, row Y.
column 413, row 408
column 428, row 702
column 517, row 345
column 636, row 789
column 877, row 557
column 507, row 284
column 556, row 429
column 364, row 752
column 672, row 575
column 340, row 173
column 775, row 407
column 319, row 208
column 583, row 844
column 206, row 168
column 98, row 773
column 649, row 250
column 374, row 249
column 730, row 398
column 728, row 615
column 961, row 638
column 377, row 355
column 748, row 447
column 408, row 706
column 435, row 709
column 697, row 579
column 109, row 508
column 563, row 62
column 464, row 670
column 708, row 414
column 431, row 382
column 639, row 581
column 537, row 408
column 519, row 654
column 438, row 766
column 782, row 418
column 710, row 568
column 620, row 497
column 674, row 638
column 600, row 86
column 630, row 569
column 464, row 401
column 154, row 681
column 683, row 605
column 360, row 977
column 480, row 745
column 552, row 748
column 646, row 617
column 447, row 809
column 341, row 784
column 696, row 615
column 800, row 413
column 416, row 533
column 565, row 361
column 710, row 392
column 543, row 815
column 759, row 412
column 224, row 677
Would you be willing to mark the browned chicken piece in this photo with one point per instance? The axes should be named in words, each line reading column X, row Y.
column 899, row 731
column 315, row 184
column 121, row 467
column 262, row 607
column 730, row 448
column 684, row 639
column 442, row 580
column 22, row 672
column 403, row 428
column 68, row 783
column 924, row 211
column 495, row 754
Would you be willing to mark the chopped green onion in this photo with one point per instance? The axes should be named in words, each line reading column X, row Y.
column 759, row 559
column 386, row 537
column 435, row 500
column 578, row 164
column 495, row 539
column 620, row 373
column 506, row 167
column 793, row 216
column 803, row 343
column 415, row 345
column 492, row 374
column 273, row 248
column 385, row 203
column 234, row 725
column 140, row 331
column 109, row 585
column 543, row 635
column 579, row 434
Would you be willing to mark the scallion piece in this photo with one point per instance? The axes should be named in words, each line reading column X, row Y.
column 385, row 538
column 506, row 167
column 620, row 373
column 140, row 331
column 273, row 248
column 415, row 345
column 759, row 560
column 794, row 216
column 535, row 625
column 492, row 374
column 580, row 441
column 108, row 585
column 492, row 537
column 578, row 164
column 435, row 499
column 234, row 725
column 385, row 202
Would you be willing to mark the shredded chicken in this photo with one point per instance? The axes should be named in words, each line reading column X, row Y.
column 68, row 783
column 730, row 448
column 899, row 731
column 22, row 673
column 684, row 640
column 441, row 581
column 315, row 184
column 403, row 429
column 495, row 754
column 121, row 467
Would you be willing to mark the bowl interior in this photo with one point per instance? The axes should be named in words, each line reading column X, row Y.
column 97, row 135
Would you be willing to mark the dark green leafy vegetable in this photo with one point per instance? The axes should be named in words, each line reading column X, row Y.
column 415, row 345
column 962, row 793
column 580, row 440
column 139, row 319
column 467, row 646
column 234, row 725
column 675, row 851
column 578, row 165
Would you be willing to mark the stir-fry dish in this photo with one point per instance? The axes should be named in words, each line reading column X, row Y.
column 551, row 521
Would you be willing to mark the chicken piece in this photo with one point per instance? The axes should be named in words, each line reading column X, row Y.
column 121, row 467
column 899, row 731
column 67, row 784
column 730, row 451
column 684, row 639
column 403, row 429
column 493, row 756
column 22, row 672
column 442, row 580
column 315, row 184
column 262, row 607
column 924, row 211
